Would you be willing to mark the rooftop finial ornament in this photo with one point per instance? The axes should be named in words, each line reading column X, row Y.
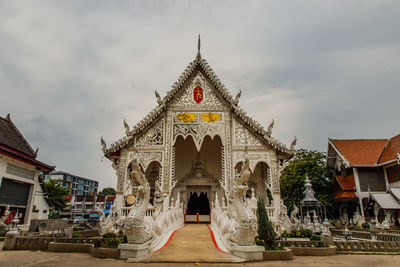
column 103, row 144
column 126, row 126
column 293, row 144
column 198, row 46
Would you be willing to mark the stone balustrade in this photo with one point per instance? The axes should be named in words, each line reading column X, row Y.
column 393, row 236
column 302, row 243
column 125, row 211
column 388, row 237
column 270, row 212
column 367, row 246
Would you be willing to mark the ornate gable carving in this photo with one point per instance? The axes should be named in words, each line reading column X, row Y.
column 242, row 136
column 186, row 100
column 154, row 136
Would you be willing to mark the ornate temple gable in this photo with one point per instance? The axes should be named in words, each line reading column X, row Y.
column 153, row 136
column 216, row 98
column 242, row 136
column 208, row 99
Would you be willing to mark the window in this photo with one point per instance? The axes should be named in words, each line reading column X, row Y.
column 14, row 193
column 393, row 174
column 371, row 179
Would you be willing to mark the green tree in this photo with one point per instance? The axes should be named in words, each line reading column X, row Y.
column 56, row 194
column 265, row 229
column 313, row 164
column 107, row 191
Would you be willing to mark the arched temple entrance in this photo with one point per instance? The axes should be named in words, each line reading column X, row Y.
column 198, row 204
column 198, row 175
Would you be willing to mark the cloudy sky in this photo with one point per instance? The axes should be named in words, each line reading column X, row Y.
column 71, row 71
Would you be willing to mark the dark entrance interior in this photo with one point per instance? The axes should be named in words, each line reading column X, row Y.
column 198, row 204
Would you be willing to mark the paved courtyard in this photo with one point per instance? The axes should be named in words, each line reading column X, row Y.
column 39, row 258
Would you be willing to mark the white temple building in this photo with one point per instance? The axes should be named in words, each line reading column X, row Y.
column 193, row 146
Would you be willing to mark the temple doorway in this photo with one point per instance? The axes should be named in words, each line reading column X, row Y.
column 198, row 175
column 198, row 204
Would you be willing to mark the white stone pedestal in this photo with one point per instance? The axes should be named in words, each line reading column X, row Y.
column 253, row 253
column 133, row 250
column 10, row 239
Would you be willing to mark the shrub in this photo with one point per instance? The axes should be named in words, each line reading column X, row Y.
column 112, row 242
column 315, row 238
column 76, row 234
column 109, row 235
column 266, row 232
column 304, row 233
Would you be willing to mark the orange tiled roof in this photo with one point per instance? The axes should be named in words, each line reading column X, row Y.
column 361, row 152
column 347, row 182
column 392, row 148
column 340, row 195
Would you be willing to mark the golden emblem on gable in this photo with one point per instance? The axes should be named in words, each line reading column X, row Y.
column 210, row 117
column 186, row 117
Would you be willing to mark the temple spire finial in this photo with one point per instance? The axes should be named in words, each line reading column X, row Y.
column 198, row 46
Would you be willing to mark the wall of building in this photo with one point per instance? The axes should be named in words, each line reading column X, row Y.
column 76, row 185
column 41, row 207
column 25, row 174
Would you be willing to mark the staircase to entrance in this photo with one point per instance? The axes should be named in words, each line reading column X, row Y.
column 192, row 243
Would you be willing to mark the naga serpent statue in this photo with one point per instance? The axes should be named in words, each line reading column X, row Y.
column 245, row 229
column 137, row 228
column 107, row 224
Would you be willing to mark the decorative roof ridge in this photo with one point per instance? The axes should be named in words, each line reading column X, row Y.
column 255, row 125
column 157, row 110
column 397, row 135
column 118, row 144
column 170, row 94
column 215, row 79
column 8, row 119
column 24, row 157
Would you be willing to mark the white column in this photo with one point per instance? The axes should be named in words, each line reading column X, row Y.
column 276, row 192
column 119, row 199
column 358, row 191
column 168, row 144
column 386, row 178
column 29, row 204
